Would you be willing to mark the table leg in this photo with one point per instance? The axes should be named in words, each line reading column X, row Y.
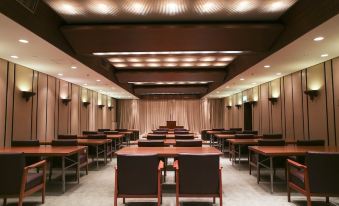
column 63, row 174
column 97, row 148
column 78, row 168
column 239, row 154
column 258, row 169
column 271, row 173
column 105, row 153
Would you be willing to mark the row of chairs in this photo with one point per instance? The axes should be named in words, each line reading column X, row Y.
column 178, row 143
column 163, row 136
column 140, row 176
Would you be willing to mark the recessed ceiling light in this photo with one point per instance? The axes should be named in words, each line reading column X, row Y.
column 133, row 60
column 187, row 65
column 171, row 59
column 203, row 64
column 153, row 65
column 172, row 8
column 254, row 83
column 278, row 74
column 203, row 82
column 220, row 64
column 242, row 79
column 101, row 8
column 319, row 38
column 14, row 57
column 244, row 6
column 98, row 80
column 60, row 74
column 267, row 66
column 85, row 84
column 166, row 52
column 324, row 55
column 152, row 60
column 225, row 59
column 120, row 65
column 170, row 65
column 68, row 9
column 189, row 59
column 73, row 67
column 278, row 6
column 207, row 59
column 116, row 60
column 23, row 41
column 159, row 83
column 138, row 65
column 137, row 8
column 209, row 7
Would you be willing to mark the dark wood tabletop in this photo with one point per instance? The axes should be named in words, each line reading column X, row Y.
column 91, row 142
column 213, row 132
column 291, row 150
column 168, row 151
column 115, row 136
column 44, row 150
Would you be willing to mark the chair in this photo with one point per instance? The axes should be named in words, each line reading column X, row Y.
column 122, row 130
column 97, row 136
column 180, row 129
column 181, row 132
column 110, row 132
column 28, row 143
column 138, row 176
column 244, row 136
column 67, row 136
column 204, row 135
column 156, row 137
column 228, row 132
column 17, row 180
column 198, row 175
column 151, row 143
column 318, row 177
column 184, row 136
column 262, row 161
column 70, row 161
column 218, row 129
column 160, row 131
column 236, row 129
column 89, row 132
column 272, row 136
column 103, row 130
column 250, row 132
column 308, row 143
column 188, row 143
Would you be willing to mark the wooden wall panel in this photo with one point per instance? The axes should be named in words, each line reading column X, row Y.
column 3, row 89
column 335, row 69
column 74, row 104
column 264, row 104
column 84, row 115
column 276, row 109
column 10, row 98
column 288, row 102
column 330, row 103
column 52, row 100
column 42, row 107
column 34, row 105
column 64, row 114
column 22, row 108
column 297, row 106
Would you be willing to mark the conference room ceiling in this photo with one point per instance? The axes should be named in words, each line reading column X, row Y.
column 184, row 47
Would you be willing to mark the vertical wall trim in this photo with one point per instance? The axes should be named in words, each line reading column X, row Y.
column 46, row 122
column 334, row 117
column 6, row 104
column 302, row 102
column 70, row 111
column 37, row 105
column 55, row 102
column 284, row 106
column 326, row 101
column 293, row 121
column 13, row 102
column 269, row 105
column 281, row 106
column 32, row 105
column 308, row 117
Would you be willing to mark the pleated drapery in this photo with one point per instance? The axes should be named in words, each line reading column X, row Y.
column 194, row 115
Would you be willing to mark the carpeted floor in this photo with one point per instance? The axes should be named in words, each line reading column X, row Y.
column 239, row 189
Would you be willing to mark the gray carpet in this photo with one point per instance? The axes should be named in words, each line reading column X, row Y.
column 239, row 188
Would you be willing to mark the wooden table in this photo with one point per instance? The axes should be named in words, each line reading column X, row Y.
column 97, row 144
column 49, row 151
column 211, row 134
column 117, row 138
column 284, row 151
column 168, row 151
column 167, row 142
column 127, row 135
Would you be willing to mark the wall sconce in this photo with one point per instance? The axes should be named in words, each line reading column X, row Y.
column 229, row 107
column 101, row 106
column 273, row 100
column 65, row 101
column 252, row 102
column 110, row 108
column 86, row 104
column 312, row 93
column 238, row 106
column 26, row 95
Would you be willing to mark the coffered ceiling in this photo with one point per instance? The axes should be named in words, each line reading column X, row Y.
column 154, row 48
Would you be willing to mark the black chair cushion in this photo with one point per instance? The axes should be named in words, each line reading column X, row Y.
column 67, row 136
column 272, row 136
column 297, row 177
column 34, row 179
column 156, row 136
column 184, row 136
column 318, row 142
column 151, row 143
column 25, row 143
column 188, row 143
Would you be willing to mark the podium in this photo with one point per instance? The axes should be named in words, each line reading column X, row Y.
column 171, row 124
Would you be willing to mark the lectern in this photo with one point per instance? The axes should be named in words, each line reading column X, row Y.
column 171, row 124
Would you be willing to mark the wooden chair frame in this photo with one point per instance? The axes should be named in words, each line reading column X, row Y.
column 23, row 193
column 158, row 196
column 176, row 167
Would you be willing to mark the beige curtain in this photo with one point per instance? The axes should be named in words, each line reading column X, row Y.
column 146, row 115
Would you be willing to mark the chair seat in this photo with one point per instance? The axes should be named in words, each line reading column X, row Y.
column 297, row 177
column 33, row 179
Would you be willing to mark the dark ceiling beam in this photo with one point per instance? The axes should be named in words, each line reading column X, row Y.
column 126, row 75
column 178, row 89
column 177, row 37
column 46, row 24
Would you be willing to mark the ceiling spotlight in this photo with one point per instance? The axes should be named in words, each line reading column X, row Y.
column 60, row 74
column 171, row 59
column 14, row 57
column 189, row 59
column 203, row 82
column 170, row 65
column 209, row 7
column 207, row 59
column 244, row 6
column 68, row 9
column 172, row 8
column 159, row 83
column 187, row 65
column 137, row 8
column 73, row 67
column 116, row 60
column 267, row 66
column 98, row 80
column 85, row 84
column 254, row 83
column 278, row 74
column 319, row 38
column 278, row 6
column 203, row 64
column 152, row 60
column 133, row 60
column 220, row 64
column 23, row 41
column 138, row 65
column 324, row 55
column 101, row 8
column 242, row 79
column 120, row 65
column 225, row 59
column 153, row 65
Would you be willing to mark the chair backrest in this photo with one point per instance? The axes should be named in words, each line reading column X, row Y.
column 12, row 167
column 151, row 143
column 156, row 136
column 250, row 132
column 184, row 136
column 181, row 132
column 67, row 136
column 204, row 135
column 198, row 173
column 163, row 128
column 111, row 132
column 317, row 142
column 271, row 142
column 188, row 143
column 137, row 174
column 89, row 132
column 180, row 129
column 218, row 129
column 122, row 130
column 323, row 172
column 97, row 136
column 103, row 130
column 160, row 131
column 64, row 142
column 244, row 136
column 228, row 132
column 25, row 143
column 236, row 129
column 272, row 136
